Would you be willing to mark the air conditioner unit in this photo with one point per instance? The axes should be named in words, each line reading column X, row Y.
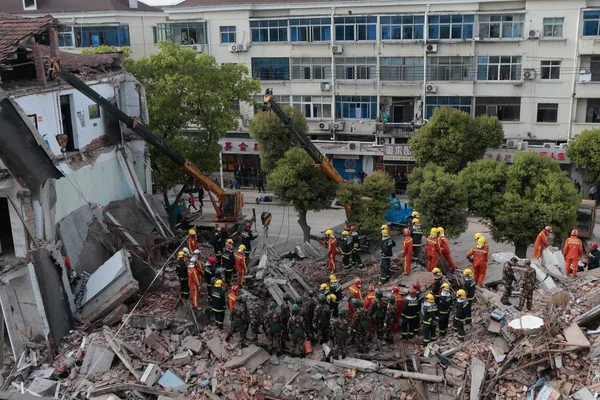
column 522, row 146
column 324, row 126
column 533, row 34
column 549, row 145
column 354, row 146
column 242, row 47
column 431, row 48
column 512, row 144
column 337, row 49
column 339, row 126
column 529, row 74
column 198, row 48
column 234, row 48
column 431, row 88
column 585, row 76
column 563, row 146
column 325, row 86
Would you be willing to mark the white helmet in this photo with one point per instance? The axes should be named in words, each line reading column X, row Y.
column 196, row 251
column 186, row 250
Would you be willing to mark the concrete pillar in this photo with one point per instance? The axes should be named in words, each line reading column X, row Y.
column 19, row 234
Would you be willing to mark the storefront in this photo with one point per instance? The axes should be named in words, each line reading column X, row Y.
column 397, row 160
column 239, row 152
column 507, row 156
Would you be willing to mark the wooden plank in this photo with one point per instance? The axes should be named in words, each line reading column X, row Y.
column 362, row 365
column 119, row 349
column 392, row 373
column 477, row 377
column 575, row 337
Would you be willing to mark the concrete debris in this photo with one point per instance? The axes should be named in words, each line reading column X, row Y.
column 148, row 321
column 98, row 360
column 554, row 261
column 527, row 324
column 151, row 375
column 43, row 387
column 193, row 344
column 477, row 377
column 171, row 381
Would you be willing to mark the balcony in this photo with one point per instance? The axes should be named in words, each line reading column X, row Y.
column 400, row 130
column 579, row 127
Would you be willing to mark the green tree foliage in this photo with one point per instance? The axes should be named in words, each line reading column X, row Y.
column 103, row 49
column 453, row 138
column 440, row 197
column 585, row 151
column 485, row 181
column 368, row 202
column 298, row 182
column 273, row 137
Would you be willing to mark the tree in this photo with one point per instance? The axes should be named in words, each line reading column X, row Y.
column 440, row 197
column 368, row 202
column 273, row 137
column 585, row 151
column 452, row 139
column 298, row 182
column 103, row 49
column 485, row 181
column 187, row 89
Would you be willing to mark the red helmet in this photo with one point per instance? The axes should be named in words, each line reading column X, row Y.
column 353, row 228
column 395, row 289
column 406, row 231
column 248, row 225
column 235, row 288
column 212, row 260
column 412, row 292
column 358, row 282
column 548, row 228
column 574, row 232
column 218, row 229
column 416, row 286
column 594, row 245
column 371, row 288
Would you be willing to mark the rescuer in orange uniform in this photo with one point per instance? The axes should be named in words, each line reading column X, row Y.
column 445, row 248
column 354, row 293
column 399, row 306
column 541, row 242
column 331, row 250
column 370, row 297
column 192, row 241
column 478, row 255
column 572, row 250
column 240, row 263
column 194, row 281
column 433, row 249
column 232, row 297
column 407, row 252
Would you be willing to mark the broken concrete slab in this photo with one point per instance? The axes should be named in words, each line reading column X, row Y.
column 477, row 377
column 172, row 381
column 575, row 337
column 43, row 387
column 182, row 359
column 396, row 374
column 148, row 321
column 362, row 365
column 151, row 375
column 193, row 344
column 119, row 349
column 215, row 345
column 43, row 373
column 240, row 360
column 257, row 360
column 97, row 360
column 527, row 324
column 554, row 261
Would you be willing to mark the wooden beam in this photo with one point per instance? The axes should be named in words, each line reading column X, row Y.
column 412, row 375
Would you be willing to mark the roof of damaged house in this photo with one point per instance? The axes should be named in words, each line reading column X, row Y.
column 70, row 6
column 15, row 30
column 87, row 64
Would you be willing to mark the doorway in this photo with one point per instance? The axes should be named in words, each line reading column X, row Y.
column 7, row 246
column 67, row 121
column 402, row 110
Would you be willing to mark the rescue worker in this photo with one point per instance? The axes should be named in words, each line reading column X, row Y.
column 346, row 247
column 370, row 297
column 324, row 289
column 296, row 326
column 478, row 256
column 527, row 286
column 218, row 303
column 460, row 314
column 411, row 220
column 434, row 250
column 247, row 238
column 386, row 255
column 322, row 319
column 407, row 251
column 188, row 255
column 210, row 269
column 445, row 246
column 275, row 328
column 354, row 292
column 239, row 320
column 377, row 315
column 331, row 250
column 217, row 243
column 593, row 257
column 399, row 306
column 429, row 313
column 192, row 241
column 194, row 282
column 240, row 264
column 417, row 237
column 572, row 250
column 508, row 278
column 232, row 297
column 284, row 309
column 335, row 289
column 307, row 306
column 469, row 288
column 356, row 259
column 390, row 320
column 444, row 303
column 436, row 285
column 255, row 318
column 541, row 242
column 419, row 293
column 410, row 313
column 340, row 334
column 182, row 276
column 228, row 261
column 360, row 326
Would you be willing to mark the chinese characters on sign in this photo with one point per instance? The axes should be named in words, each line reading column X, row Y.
column 397, row 152
column 508, row 155
column 239, row 146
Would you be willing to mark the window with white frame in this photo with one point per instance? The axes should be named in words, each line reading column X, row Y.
column 550, row 70
column 442, row 27
column 356, row 107
column 355, row 68
column 313, row 106
column 311, row 68
column 501, row 26
column 450, row 68
column 591, row 23
column 269, row 31
column 402, row 27
column 401, row 69
column 65, row 36
column 310, row 30
column 227, row 34
column 553, row 27
column 499, row 68
column 355, row 28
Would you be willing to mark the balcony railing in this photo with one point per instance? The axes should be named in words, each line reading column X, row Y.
column 396, row 129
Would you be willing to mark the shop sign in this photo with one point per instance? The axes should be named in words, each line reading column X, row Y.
column 350, row 165
column 239, row 146
column 397, row 152
column 508, row 155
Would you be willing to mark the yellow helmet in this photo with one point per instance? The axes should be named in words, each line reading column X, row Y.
column 384, row 227
column 481, row 241
column 242, row 247
column 333, row 278
column 436, row 271
column 461, row 293
column 345, row 233
column 324, row 286
column 430, row 298
column 191, row 232
column 332, row 297
column 445, row 286
column 229, row 241
column 477, row 236
column 181, row 254
column 385, row 232
column 440, row 230
column 416, row 221
column 218, row 283
column 329, row 232
column 468, row 272
column 434, row 231
column 415, row 214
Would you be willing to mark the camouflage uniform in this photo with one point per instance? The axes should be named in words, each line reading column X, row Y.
column 322, row 321
column 527, row 287
column 508, row 277
column 360, row 328
column 239, row 321
column 255, row 314
column 296, row 326
column 275, row 329
column 340, row 334
column 285, row 317
column 390, row 320
column 307, row 311
column 377, row 314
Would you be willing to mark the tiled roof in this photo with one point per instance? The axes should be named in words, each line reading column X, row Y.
column 208, row 3
column 15, row 29
column 86, row 64
column 72, row 6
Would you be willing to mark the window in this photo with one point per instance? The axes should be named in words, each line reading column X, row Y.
column 183, row 33
column 405, row 27
column 591, row 23
column 499, row 68
column 311, row 68
column 553, row 27
column 550, row 69
column 310, row 30
column 593, row 111
column 451, row 27
column 501, row 26
column 547, row 112
column 450, row 69
column 460, row 103
column 269, row 31
column 154, row 35
column 355, row 68
column 313, row 106
column 401, row 68
column 280, row 99
column 65, row 36
column 29, row 4
column 271, row 69
column 227, row 34
column 356, row 107
column 94, row 36
column 505, row 108
column 595, row 68
column 355, row 28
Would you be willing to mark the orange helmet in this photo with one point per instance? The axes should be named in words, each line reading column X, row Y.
column 412, row 292
column 574, row 232
column 395, row 289
column 548, row 228
column 371, row 288
column 235, row 288
column 358, row 282
column 406, row 231
column 416, row 286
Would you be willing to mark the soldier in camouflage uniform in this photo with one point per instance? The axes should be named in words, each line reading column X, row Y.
column 390, row 319
column 508, row 277
column 340, row 335
column 322, row 319
column 239, row 320
column 360, row 326
column 296, row 326
column 285, row 317
column 255, row 314
column 527, row 286
column 307, row 306
column 377, row 315
column 275, row 327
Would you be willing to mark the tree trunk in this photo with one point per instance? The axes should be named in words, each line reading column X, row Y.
column 521, row 250
column 304, row 225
